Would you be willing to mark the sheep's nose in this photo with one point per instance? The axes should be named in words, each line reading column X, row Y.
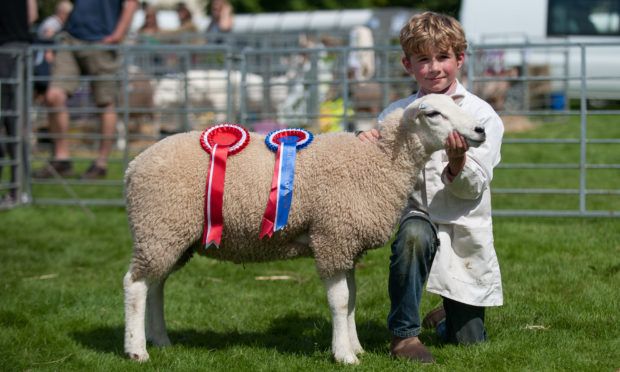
column 479, row 130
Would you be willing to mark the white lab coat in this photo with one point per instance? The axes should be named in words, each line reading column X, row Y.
column 465, row 267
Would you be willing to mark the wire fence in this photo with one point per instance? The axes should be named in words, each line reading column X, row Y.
column 170, row 88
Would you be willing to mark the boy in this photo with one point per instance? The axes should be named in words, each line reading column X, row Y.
column 451, row 203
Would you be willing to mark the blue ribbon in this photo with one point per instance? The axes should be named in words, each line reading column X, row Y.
column 288, row 152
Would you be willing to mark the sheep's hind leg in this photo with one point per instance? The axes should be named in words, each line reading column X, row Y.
column 338, row 299
column 155, row 322
column 355, row 343
column 135, row 304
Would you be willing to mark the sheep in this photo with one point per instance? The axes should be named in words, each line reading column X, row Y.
column 209, row 87
column 347, row 198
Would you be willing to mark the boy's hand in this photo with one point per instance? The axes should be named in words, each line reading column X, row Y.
column 456, row 147
column 369, row 136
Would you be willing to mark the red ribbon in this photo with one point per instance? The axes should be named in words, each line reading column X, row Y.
column 214, row 198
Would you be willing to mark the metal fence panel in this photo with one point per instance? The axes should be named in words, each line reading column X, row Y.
column 170, row 88
column 12, row 120
column 553, row 83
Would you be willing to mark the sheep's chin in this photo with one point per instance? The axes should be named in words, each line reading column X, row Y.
column 473, row 142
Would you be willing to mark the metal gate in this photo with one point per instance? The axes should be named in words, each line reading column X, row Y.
column 165, row 89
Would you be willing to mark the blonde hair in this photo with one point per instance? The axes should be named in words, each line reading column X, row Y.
column 64, row 6
column 429, row 30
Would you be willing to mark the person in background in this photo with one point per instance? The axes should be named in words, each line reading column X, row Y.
column 185, row 19
column 55, row 23
column 187, row 28
column 16, row 17
column 149, row 33
column 46, row 34
column 150, row 26
column 92, row 23
column 361, row 63
column 451, row 204
column 222, row 20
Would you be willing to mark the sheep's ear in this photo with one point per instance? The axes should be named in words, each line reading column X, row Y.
column 412, row 112
column 457, row 98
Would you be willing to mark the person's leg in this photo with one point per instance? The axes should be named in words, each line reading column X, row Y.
column 99, row 168
column 56, row 99
column 63, row 66
column 60, row 165
column 103, row 64
column 464, row 323
column 412, row 254
column 108, row 127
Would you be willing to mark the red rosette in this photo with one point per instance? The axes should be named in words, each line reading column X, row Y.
column 234, row 136
column 220, row 141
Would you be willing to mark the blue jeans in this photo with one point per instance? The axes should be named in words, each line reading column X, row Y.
column 464, row 323
column 413, row 251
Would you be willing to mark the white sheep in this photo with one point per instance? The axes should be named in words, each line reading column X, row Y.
column 210, row 88
column 347, row 198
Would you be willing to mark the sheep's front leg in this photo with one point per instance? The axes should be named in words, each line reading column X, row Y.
column 155, row 322
column 338, row 299
column 355, row 342
column 135, row 304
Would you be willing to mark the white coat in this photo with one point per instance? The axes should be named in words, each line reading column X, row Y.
column 465, row 267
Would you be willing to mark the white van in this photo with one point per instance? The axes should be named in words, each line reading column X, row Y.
column 549, row 21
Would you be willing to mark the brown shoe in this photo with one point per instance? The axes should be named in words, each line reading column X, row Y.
column 55, row 168
column 410, row 349
column 95, row 172
column 434, row 317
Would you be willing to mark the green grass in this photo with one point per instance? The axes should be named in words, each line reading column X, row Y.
column 61, row 300
column 61, row 303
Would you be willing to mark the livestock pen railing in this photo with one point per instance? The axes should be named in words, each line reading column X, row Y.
column 556, row 158
column 561, row 88
column 13, row 119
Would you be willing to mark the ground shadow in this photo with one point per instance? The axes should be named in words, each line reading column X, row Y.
column 290, row 334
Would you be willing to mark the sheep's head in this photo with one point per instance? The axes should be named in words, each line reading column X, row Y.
column 435, row 116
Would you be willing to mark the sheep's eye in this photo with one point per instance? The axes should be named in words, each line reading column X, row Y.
column 432, row 114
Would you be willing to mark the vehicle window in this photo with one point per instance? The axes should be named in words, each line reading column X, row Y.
column 583, row 17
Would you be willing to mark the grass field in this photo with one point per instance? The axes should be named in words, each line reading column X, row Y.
column 61, row 303
column 61, row 298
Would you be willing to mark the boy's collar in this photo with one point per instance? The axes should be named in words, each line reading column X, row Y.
column 456, row 88
column 451, row 90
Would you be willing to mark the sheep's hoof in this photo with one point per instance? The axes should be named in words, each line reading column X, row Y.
column 348, row 358
column 139, row 357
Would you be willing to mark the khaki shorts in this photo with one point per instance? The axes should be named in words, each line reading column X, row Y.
column 85, row 63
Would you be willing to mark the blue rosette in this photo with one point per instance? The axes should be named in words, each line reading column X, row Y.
column 286, row 143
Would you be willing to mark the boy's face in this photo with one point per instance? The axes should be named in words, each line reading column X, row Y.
column 436, row 71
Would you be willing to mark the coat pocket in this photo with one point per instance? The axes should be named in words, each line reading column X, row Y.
column 474, row 259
